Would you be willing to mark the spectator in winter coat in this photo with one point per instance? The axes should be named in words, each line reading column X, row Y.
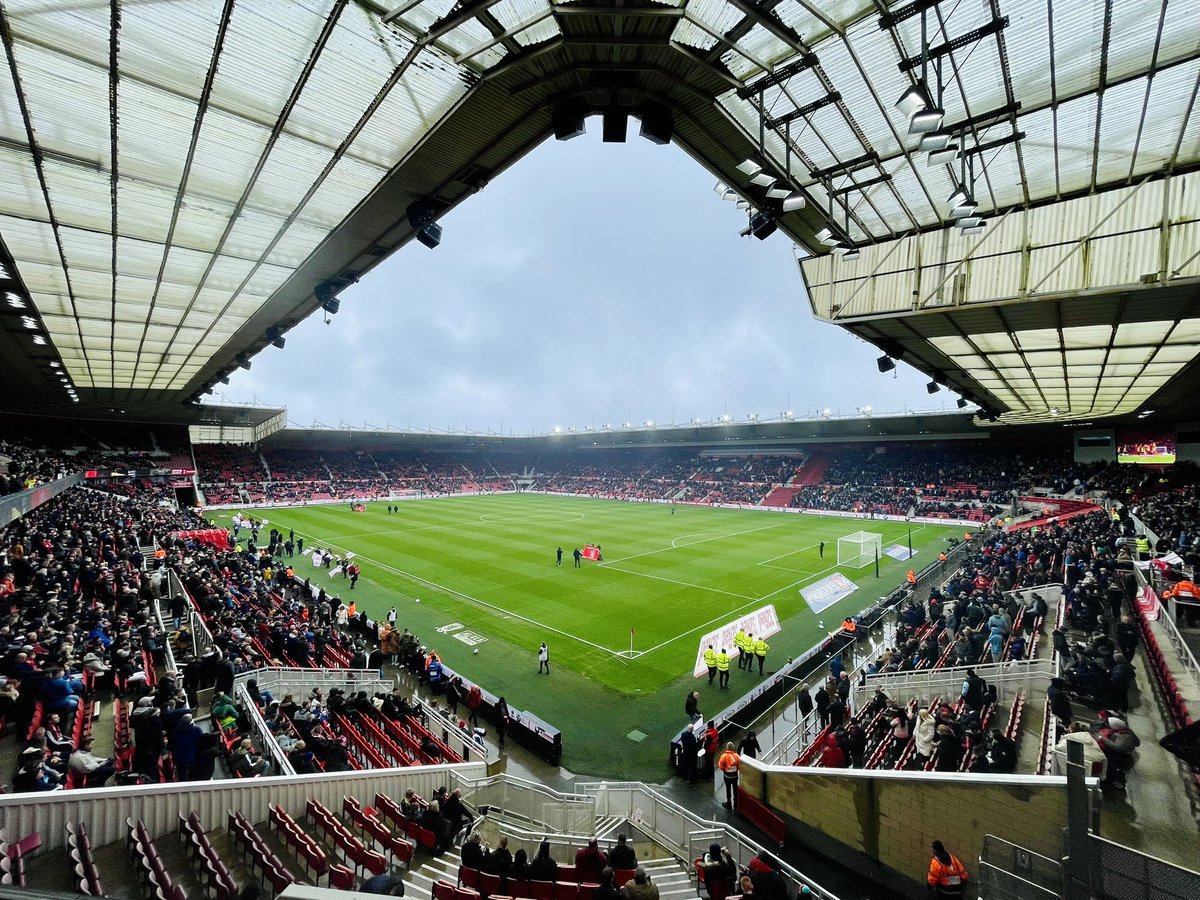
column 833, row 757
column 622, row 856
column 926, row 735
column 822, row 705
column 589, row 862
column 1060, row 701
column 949, row 750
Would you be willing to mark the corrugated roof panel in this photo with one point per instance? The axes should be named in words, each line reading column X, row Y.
column 251, row 234
column 1076, row 128
column 1133, row 32
column 199, row 227
column 1078, row 37
column 258, row 83
column 871, row 105
column 1120, row 121
column 1165, row 116
column 78, row 195
column 291, row 169
column 812, row 21
column 297, row 243
column 346, row 185
column 228, row 150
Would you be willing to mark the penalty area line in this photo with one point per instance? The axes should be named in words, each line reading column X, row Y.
column 507, row 612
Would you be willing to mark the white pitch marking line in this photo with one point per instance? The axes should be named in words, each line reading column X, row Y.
column 476, row 600
column 694, row 543
column 699, row 587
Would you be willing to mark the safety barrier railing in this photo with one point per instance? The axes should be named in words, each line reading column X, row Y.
column 267, row 744
column 685, row 834
column 1168, row 623
column 1008, row 677
column 1009, row 872
column 202, row 639
column 554, row 811
column 469, row 747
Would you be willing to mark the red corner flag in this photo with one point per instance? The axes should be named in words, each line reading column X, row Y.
column 631, row 632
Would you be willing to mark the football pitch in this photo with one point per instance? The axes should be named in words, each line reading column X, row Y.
column 621, row 631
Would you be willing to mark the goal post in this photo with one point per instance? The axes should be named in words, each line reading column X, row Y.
column 860, row 549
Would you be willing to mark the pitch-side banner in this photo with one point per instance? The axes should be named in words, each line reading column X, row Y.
column 761, row 623
column 824, row 593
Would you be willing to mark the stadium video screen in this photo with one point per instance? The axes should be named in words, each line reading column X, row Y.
column 1146, row 449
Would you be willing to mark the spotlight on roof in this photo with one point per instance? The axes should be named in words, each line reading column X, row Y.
column 848, row 252
column 616, row 125
column 1054, row 411
column 962, row 402
column 942, row 157
column 933, row 387
column 935, row 140
column 568, row 120
column 224, row 379
column 885, row 363
column 927, row 118
column 914, row 98
column 762, row 225
column 724, row 191
column 749, row 167
column 15, row 300
column 764, row 179
column 40, row 340
column 422, row 216
column 243, row 360
column 275, row 336
column 976, row 226
column 827, row 237
column 658, row 124
column 961, row 203
column 793, row 202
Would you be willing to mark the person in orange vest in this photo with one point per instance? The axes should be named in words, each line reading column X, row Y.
column 911, row 576
column 946, row 874
column 352, row 610
column 1184, row 589
column 849, row 625
column 729, row 763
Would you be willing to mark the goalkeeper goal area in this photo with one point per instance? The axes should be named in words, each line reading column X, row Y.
column 859, row 549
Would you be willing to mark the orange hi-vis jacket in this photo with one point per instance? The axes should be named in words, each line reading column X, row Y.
column 729, row 763
column 1183, row 588
column 946, row 876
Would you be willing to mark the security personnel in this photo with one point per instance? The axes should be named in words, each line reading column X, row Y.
column 710, row 660
column 760, row 650
column 946, row 873
column 747, row 656
column 739, row 641
column 912, row 577
column 723, row 668
column 1143, row 546
column 729, row 763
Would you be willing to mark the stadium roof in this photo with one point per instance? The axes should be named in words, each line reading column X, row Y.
column 181, row 177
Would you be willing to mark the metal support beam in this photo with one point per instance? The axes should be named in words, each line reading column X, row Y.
column 465, row 12
column 807, row 109
column 993, row 27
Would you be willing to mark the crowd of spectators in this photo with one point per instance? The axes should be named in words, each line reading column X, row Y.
column 24, row 464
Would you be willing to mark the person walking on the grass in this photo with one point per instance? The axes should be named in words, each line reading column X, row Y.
column 543, row 658
column 710, row 661
column 821, row 550
column 558, row 557
column 578, row 556
column 739, row 643
column 729, row 764
column 723, row 668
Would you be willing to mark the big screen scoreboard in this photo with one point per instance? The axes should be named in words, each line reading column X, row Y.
column 1146, row 449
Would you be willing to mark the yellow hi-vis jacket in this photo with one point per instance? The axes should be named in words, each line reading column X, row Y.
column 710, row 658
column 723, row 661
column 761, row 648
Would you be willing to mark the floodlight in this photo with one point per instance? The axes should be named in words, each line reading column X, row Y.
column 764, row 179
column 915, row 98
column 55, row 364
column 39, row 340
column 794, row 202
column 724, row 191
column 885, row 363
column 743, row 204
column 970, row 221
column 962, row 402
column 849, row 253
column 558, row 429
column 275, row 337
column 29, row 322
column 15, row 300
column 943, row 157
column 959, row 197
column 224, row 379
column 725, row 418
column 779, row 193
column 749, row 167
column 616, row 123
column 763, row 225
column 332, row 305
column 935, row 140
column 243, row 360
column 658, row 124
column 827, row 412
column 827, row 237
column 933, row 387
column 976, row 228
column 430, row 235
column 568, row 121
column 649, row 423
column 926, row 119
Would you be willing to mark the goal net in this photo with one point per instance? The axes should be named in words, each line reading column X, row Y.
column 859, row 549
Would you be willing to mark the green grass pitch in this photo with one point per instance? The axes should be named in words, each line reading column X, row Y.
column 486, row 564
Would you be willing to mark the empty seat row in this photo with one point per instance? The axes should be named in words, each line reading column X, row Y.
column 316, row 861
column 271, row 868
column 212, row 871
column 152, row 874
column 354, row 849
column 79, row 846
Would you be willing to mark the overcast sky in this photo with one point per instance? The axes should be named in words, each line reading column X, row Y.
column 590, row 284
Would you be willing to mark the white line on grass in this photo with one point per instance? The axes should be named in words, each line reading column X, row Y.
column 441, row 587
column 699, row 587
column 693, row 544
